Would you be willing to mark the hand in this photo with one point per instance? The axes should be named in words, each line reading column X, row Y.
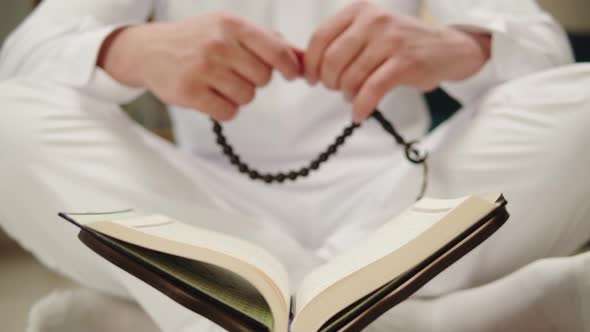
column 366, row 51
column 211, row 63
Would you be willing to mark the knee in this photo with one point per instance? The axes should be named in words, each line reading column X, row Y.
column 545, row 116
column 33, row 111
column 21, row 106
column 555, row 102
column 528, row 134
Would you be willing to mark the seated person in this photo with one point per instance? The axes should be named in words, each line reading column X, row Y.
column 68, row 147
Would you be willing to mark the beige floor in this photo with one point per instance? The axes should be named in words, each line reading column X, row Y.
column 22, row 282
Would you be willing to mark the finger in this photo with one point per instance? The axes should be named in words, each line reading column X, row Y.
column 343, row 50
column 391, row 74
column 250, row 66
column 322, row 38
column 272, row 49
column 232, row 86
column 211, row 102
column 354, row 76
column 300, row 55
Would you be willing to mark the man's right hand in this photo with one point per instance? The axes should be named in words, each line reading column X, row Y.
column 211, row 63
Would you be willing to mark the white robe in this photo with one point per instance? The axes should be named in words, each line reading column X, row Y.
column 74, row 150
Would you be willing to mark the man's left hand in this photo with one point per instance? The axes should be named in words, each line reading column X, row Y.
column 365, row 51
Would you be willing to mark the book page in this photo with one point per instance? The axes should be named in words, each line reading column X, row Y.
column 167, row 228
column 166, row 235
column 390, row 237
column 213, row 281
column 394, row 249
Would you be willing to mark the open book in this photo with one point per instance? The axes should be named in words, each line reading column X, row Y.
column 242, row 287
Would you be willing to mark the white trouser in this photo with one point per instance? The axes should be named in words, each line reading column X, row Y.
column 64, row 151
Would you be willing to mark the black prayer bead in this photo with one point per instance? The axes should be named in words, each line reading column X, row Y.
column 332, row 149
column 243, row 168
column 411, row 154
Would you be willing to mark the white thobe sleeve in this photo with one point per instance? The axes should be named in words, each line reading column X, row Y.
column 60, row 41
column 525, row 39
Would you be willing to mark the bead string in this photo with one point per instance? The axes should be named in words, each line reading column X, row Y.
column 412, row 154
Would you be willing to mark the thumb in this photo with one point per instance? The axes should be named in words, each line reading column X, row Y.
column 299, row 53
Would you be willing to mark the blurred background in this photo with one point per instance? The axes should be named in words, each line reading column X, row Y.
column 23, row 281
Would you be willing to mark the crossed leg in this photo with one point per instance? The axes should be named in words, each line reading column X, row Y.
column 65, row 151
column 549, row 295
column 527, row 139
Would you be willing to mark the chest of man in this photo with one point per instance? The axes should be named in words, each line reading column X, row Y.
column 296, row 20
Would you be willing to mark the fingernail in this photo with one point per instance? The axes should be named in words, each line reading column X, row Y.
column 357, row 118
column 349, row 96
column 290, row 77
column 293, row 55
column 299, row 54
column 295, row 59
column 311, row 80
